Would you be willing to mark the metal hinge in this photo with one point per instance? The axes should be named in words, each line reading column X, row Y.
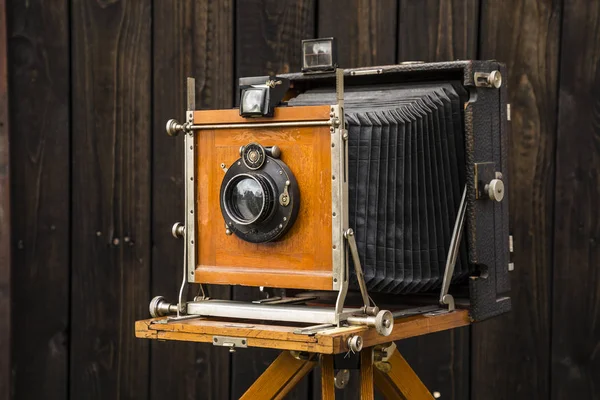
column 231, row 342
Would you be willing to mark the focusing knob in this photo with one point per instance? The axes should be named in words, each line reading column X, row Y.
column 495, row 190
column 253, row 156
column 384, row 322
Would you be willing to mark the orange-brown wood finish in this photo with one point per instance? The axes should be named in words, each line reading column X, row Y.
column 366, row 374
column 327, row 378
column 281, row 114
column 402, row 378
column 302, row 257
column 330, row 341
column 279, row 378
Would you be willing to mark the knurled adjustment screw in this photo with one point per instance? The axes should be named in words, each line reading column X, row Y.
column 495, row 79
column 355, row 344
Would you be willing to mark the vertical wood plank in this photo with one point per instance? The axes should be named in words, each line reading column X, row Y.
column 268, row 41
column 438, row 30
column 510, row 353
column 5, row 237
column 111, row 66
column 38, row 41
column 576, row 289
column 190, row 38
column 365, row 30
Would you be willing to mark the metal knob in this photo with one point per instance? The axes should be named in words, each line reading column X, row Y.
column 495, row 79
column 178, row 230
column 159, row 307
column 174, row 127
column 495, row 190
column 384, row 322
column 355, row 343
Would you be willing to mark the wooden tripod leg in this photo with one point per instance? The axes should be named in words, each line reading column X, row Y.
column 327, row 377
column 281, row 377
column 401, row 382
column 366, row 374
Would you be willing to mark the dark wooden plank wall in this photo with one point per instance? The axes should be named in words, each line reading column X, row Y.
column 39, row 73
column 575, row 355
column 96, row 185
column 525, row 34
column 191, row 38
column 111, row 197
column 5, row 242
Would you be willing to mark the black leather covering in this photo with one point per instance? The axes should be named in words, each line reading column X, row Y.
column 416, row 133
column 406, row 177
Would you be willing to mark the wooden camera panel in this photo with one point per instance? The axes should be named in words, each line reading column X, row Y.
column 302, row 258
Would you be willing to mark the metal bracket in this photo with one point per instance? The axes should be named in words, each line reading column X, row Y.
column 445, row 298
column 381, row 356
column 349, row 235
column 488, row 79
column 231, row 342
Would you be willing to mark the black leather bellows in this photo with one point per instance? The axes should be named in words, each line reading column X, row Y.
column 406, row 177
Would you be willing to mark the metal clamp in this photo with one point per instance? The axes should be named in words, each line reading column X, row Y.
column 231, row 342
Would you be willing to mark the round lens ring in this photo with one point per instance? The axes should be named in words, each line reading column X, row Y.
column 247, row 198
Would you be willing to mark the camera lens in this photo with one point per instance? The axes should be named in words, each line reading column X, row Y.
column 248, row 198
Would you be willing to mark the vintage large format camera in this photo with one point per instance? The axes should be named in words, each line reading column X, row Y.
column 355, row 187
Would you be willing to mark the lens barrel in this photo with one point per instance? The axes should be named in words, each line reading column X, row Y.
column 259, row 195
column 249, row 198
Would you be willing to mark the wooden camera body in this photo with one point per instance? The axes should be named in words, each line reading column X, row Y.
column 360, row 179
column 302, row 257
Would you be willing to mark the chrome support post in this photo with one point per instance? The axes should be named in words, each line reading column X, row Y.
column 446, row 298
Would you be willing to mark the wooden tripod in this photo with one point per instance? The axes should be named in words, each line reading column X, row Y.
column 381, row 365
column 395, row 380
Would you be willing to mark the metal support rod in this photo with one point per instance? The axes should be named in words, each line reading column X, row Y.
column 445, row 298
column 261, row 125
column 349, row 235
column 289, row 313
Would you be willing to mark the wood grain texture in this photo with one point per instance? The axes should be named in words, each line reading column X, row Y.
column 406, row 380
column 510, row 353
column 437, row 30
column 111, row 80
column 282, row 336
column 38, row 41
column 367, row 389
column 365, row 30
column 268, row 35
column 299, row 259
column 280, row 114
column 575, row 359
column 279, row 378
column 191, row 38
column 5, row 236
column 385, row 386
column 327, row 388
